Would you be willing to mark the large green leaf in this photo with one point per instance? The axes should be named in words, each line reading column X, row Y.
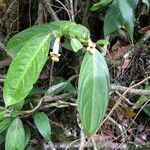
column 4, row 124
column 127, row 12
column 15, row 136
column 93, row 91
column 19, row 40
column 25, row 69
column 120, row 13
column 113, row 19
column 56, row 29
column 43, row 125
column 100, row 4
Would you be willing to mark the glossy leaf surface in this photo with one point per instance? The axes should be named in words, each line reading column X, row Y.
column 15, row 136
column 93, row 91
column 43, row 125
column 25, row 69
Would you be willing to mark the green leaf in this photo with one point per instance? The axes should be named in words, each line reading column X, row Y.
column 43, row 125
column 25, row 69
column 55, row 89
column 79, row 32
column 100, row 4
column 127, row 13
column 15, row 136
column 19, row 40
column 120, row 13
column 27, row 135
column 102, row 42
column 93, row 91
column 2, row 137
column 4, row 124
column 113, row 20
column 2, row 112
column 76, row 44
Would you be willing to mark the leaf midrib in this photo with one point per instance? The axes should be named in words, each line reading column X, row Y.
column 26, row 70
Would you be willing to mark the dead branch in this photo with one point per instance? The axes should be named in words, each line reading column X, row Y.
column 49, row 9
column 132, row 91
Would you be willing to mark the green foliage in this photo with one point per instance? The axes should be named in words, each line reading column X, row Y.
column 43, row 125
column 100, row 4
column 27, row 135
column 2, row 112
column 120, row 14
column 56, row 29
column 25, row 69
column 15, row 136
column 102, row 42
column 4, row 124
column 76, row 44
column 93, row 91
column 29, row 50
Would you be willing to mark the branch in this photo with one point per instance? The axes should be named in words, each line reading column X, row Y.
column 132, row 91
column 49, row 9
column 5, row 63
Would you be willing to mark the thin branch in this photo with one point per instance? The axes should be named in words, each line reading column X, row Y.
column 132, row 91
column 5, row 63
column 49, row 9
column 71, row 9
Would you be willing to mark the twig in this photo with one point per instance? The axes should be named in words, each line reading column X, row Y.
column 49, row 9
column 121, row 98
column 22, row 113
column 51, row 74
column 122, row 131
column 65, row 8
column 132, row 91
column 5, row 63
column 59, row 97
column 71, row 9
column 85, row 8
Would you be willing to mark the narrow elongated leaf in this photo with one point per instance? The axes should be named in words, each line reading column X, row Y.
column 55, row 89
column 128, row 15
column 4, row 124
column 113, row 19
column 100, row 4
column 15, row 136
column 43, row 125
column 75, row 44
column 25, row 69
column 93, row 91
